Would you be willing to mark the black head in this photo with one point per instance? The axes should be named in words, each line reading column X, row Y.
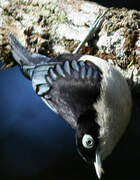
column 87, row 140
column 87, row 134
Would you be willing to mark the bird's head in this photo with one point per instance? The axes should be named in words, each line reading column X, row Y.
column 87, row 141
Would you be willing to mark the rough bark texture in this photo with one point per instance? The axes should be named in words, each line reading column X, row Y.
column 51, row 27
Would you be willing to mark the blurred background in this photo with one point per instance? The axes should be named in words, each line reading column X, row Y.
column 35, row 143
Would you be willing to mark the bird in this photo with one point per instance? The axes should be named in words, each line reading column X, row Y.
column 89, row 93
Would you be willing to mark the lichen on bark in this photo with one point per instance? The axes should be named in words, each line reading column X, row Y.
column 51, row 27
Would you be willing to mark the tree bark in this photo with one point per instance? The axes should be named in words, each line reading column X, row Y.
column 52, row 27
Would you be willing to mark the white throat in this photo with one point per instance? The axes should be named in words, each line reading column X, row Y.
column 113, row 107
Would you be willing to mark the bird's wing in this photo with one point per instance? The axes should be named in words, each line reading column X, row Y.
column 67, row 87
column 42, row 84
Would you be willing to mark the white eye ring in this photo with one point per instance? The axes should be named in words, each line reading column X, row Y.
column 88, row 141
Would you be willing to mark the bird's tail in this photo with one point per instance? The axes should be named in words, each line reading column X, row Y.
column 24, row 57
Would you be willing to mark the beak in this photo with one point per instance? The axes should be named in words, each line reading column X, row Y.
column 98, row 163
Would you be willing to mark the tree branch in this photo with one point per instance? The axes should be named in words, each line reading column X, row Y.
column 52, row 27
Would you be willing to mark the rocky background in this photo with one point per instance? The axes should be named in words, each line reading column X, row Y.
column 54, row 27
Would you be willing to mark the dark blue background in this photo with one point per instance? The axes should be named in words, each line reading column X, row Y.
column 36, row 143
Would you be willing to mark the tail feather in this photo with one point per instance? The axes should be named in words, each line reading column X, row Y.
column 24, row 57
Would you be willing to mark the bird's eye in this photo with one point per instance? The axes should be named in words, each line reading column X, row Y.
column 88, row 141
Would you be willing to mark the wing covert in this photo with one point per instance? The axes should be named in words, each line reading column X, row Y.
column 64, row 85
